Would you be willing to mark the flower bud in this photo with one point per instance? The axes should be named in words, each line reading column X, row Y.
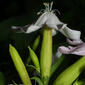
column 19, row 66
column 34, row 59
column 71, row 73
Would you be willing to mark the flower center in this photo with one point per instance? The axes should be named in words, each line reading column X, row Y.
column 48, row 8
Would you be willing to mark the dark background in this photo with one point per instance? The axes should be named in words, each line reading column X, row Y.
column 22, row 12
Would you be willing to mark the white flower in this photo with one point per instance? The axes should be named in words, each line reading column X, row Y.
column 49, row 18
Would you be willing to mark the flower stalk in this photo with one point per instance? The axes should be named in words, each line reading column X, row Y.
column 71, row 73
column 19, row 66
column 46, row 54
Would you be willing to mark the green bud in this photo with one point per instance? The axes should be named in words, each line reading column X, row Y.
column 71, row 73
column 46, row 53
column 34, row 59
column 19, row 66
column 36, row 43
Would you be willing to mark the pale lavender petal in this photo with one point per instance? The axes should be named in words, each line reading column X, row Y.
column 74, row 42
column 82, row 53
column 64, row 50
column 77, row 50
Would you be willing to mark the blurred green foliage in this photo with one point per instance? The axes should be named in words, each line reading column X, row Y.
column 2, row 79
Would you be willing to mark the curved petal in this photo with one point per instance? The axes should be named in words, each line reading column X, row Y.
column 82, row 53
column 77, row 50
column 53, row 21
column 32, row 28
column 58, row 54
column 74, row 42
column 72, row 34
column 42, row 19
column 54, row 32
column 64, row 50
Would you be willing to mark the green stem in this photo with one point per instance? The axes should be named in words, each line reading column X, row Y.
column 57, row 64
column 71, row 73
column 46, row 54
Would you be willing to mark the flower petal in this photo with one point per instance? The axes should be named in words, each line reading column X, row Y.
column 58, row 54
column 32, row 28
column 53, row 21
column 77, row 50
column 72, row 34
column 54, row 32
column 64, row 50
column 74, row 42
column 42, row 19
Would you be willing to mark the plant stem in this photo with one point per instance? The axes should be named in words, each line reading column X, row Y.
column 46, row 54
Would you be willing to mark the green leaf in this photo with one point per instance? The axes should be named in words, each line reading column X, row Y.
column 80, row 82
column 2, row 79
column 38, row 80
column 34, row 59
column 57, row 64
column 20, row 67
column 31, row 66
column 14, row 83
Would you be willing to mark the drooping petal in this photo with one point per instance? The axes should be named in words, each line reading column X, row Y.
column 32, row 28
column 64, row 50
column 53, row 21
column 72, row 34
column 77, row 50
column 74, row 42
column 42, row 19
column 20, row 29
column 48, row 18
